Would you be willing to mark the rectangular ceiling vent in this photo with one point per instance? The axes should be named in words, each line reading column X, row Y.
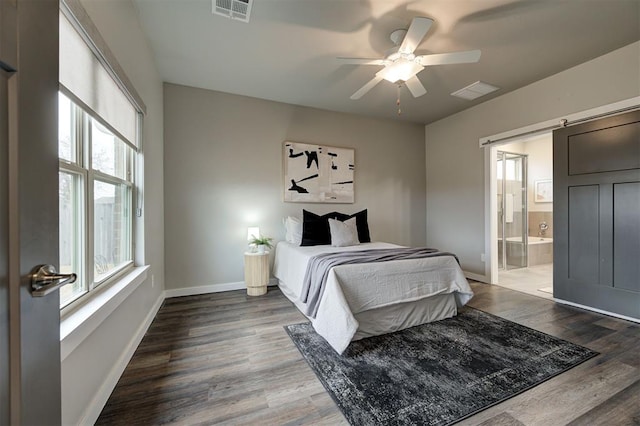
column 233, row 9
column 475, row 90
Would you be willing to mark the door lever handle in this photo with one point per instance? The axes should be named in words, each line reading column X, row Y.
column 45, row 279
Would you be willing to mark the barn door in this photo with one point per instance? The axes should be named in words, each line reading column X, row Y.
column 597, row 214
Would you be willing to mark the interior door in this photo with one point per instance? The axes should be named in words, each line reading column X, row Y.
column 29, row 326
column 596, row 214
column 7, row 58
column 4, row 256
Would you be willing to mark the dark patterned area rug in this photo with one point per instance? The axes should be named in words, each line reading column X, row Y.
column 438, row 373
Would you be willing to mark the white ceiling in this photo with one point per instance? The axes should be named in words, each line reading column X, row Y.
column 288, row 50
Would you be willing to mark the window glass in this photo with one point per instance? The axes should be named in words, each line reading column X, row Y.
column 111, row 228
column 109, row 154
column 66, row 124
column 71, row 248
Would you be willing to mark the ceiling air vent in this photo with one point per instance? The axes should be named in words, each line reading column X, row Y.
column 475, row 90
column 233, row 9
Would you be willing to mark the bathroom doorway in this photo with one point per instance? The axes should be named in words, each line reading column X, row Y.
column 524, row 172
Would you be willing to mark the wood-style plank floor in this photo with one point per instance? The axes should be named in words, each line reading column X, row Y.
column 225, row 358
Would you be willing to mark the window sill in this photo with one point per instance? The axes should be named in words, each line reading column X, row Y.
column 79, row 324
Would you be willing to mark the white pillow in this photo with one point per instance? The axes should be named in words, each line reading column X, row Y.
column 293, row 227
column 343, row 233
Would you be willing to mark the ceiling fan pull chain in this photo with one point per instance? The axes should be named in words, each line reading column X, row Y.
column 398, row 100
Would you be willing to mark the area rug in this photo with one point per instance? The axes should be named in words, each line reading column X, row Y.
column 438, row 373
column 546, row 290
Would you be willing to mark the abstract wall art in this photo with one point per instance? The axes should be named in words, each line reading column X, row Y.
column 543, row 191
column 318, row 173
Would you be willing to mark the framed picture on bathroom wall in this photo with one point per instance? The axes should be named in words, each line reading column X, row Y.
column 543, row 191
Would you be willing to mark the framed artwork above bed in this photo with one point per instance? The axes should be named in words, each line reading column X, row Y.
column 318, row 173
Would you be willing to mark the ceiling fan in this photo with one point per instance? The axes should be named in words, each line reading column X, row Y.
column 401, row 64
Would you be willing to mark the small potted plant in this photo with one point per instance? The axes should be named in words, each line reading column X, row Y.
column 261, row 242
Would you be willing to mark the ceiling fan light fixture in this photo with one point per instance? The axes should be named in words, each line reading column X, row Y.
column 402, row 65
column 401, row 69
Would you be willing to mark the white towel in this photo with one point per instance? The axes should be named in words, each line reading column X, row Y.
column 508, row 208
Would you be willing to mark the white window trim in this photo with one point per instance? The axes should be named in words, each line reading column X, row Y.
column 82, row 166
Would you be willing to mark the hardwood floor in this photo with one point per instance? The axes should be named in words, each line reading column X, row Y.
column 224, row 358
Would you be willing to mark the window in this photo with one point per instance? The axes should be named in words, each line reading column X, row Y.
column 96, row 200
column 99, row 117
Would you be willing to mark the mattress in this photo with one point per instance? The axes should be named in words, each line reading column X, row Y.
column 361, row 300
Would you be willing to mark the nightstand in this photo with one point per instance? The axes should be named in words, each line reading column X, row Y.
column 256, row 273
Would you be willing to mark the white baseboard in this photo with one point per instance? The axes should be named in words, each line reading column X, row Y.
column 98, row 402
column 600, row 311
column 476, row 277
column 211, row 288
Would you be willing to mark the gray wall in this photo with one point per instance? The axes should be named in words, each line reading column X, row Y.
column 455, row 163
column 90, row 370
column 223, row 173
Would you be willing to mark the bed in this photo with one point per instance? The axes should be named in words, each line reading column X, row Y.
column 360, row 300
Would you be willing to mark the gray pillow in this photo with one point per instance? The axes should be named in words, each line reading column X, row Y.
column 343, row 234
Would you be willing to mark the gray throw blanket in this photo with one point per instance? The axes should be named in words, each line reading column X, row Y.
column 315, row 278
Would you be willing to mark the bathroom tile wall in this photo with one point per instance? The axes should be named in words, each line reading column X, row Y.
column 535, row 218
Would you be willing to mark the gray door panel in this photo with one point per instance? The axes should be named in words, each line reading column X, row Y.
column 583, row 233
column 4, row 254
column 626, row 243
column 8, row 43
column 605, row 150
column 597, row 214
column 29, row 327
column 38, row 208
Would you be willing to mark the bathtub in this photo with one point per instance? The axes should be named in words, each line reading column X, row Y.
column 539, row 240
column 540, row 249
column 532, row 240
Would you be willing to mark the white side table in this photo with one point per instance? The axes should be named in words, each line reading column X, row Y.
column 256, row 273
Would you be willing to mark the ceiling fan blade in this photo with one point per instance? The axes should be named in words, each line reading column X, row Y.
column 416, row 32
column 415, row 87
column 364, row 89
column 466, row 57
column 361, row 61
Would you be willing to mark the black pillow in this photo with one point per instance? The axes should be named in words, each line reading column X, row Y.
column 363, row 226
column 361, row 223
column 315, row 228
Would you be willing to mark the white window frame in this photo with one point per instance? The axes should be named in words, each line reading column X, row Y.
column 82, row 167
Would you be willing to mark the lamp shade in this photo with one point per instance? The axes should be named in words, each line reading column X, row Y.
column 402, row 69
column 253, row 232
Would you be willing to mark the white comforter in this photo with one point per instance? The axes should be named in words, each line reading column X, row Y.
column 351, row 289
